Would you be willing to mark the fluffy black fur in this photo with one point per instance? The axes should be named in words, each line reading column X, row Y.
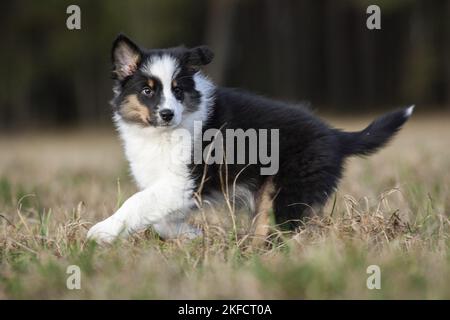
column 312, row 153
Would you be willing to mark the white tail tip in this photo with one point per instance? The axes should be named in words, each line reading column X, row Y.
column 409, row 111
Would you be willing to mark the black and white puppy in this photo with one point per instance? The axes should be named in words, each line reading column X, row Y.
column 158, row 92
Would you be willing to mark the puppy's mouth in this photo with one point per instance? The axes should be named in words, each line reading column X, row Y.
column 149, row 123
column 167, row 124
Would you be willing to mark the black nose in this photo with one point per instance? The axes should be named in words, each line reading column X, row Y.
column 166, row 114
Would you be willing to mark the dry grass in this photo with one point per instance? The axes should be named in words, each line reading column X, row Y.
column 391, row 210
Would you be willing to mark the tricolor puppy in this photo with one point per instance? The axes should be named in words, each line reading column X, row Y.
column 159, row 92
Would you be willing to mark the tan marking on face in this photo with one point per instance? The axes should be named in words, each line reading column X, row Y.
column 264, row 203
column 151, row 83
column 174, row 83
column 134, row 111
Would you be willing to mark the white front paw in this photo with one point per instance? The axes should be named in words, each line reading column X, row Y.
column 106, row 231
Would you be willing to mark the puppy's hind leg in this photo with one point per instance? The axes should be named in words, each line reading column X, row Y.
column 300, row 200
column 304, row 193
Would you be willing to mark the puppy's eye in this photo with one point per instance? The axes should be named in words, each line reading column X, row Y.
column 178, row 92
column 146, row 91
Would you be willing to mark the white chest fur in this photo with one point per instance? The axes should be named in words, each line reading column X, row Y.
column 157, row 156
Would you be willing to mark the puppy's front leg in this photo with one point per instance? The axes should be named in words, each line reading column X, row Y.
column 147, row 207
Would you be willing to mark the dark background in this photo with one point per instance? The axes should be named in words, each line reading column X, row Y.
column 314, row 50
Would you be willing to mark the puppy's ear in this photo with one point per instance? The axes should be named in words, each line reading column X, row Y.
column 126, row 56
column 199, row 56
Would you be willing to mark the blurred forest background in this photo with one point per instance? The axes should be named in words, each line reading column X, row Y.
column 315, row 50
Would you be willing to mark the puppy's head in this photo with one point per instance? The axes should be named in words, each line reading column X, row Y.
column 156, row 87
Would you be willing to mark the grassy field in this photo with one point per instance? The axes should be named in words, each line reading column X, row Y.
column 391, row 210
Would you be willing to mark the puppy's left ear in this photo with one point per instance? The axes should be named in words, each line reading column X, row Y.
column 199, row 56
column 126, row 56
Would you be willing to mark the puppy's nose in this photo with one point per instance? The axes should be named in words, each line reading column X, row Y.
column 166, row 114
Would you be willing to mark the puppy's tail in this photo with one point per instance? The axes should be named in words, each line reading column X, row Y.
column 376, row 135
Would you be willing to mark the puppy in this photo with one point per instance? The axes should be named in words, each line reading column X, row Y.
column 167, row 113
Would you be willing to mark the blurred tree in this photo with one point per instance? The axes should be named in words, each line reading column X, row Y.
column 318, row 50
